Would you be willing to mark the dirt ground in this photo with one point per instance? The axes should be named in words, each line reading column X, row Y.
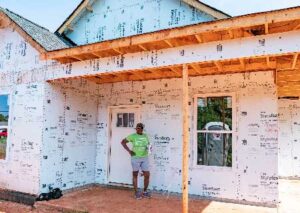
column 107, row 200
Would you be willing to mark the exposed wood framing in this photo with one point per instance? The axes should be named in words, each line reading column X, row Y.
column 249, row 25
column 266, row 28
column 142, row 47
column 168, row 43
column 231, row 35
column 118, row 51
column 242, row 62
column 175, row 70
column 199, row 38
column 89, row 8
column 69, row 27
column 219, row 66
column 196, row 68
column 83, row 6
column 295, row 58
column 268, row 61
column 204, row 8
column 186, row 139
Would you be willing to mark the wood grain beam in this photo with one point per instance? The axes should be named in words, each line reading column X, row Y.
column 294, row 63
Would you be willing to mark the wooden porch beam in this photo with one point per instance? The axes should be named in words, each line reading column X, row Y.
column 186, row 139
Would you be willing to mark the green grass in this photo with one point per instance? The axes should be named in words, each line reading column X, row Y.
column 3, row 140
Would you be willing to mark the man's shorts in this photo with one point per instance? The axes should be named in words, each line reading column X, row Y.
column 138, row 163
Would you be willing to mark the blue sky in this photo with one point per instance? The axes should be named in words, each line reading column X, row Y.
column 51, row 13
column 3, row 104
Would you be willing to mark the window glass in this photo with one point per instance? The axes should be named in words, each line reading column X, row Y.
column 214, row 131
column 4, row 113
column 125, row 120
column 214, row 149
column 214, row 109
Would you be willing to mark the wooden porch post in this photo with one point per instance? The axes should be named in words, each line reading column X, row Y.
column 186, row 138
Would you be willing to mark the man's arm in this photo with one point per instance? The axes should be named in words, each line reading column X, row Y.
column 124, row 144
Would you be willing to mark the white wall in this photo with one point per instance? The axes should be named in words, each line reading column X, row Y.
column 70, row 117
column 113, row 19
column 20, row 170
column 289, row 138
column 253, row 176
column 69, row 139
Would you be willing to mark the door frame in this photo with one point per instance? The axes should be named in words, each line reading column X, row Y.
column 109, row 132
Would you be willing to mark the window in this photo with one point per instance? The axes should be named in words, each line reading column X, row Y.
column 214, row 130
column 125, row 119
column 4, row 113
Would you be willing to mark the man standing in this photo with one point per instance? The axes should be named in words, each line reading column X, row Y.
column 139, row 158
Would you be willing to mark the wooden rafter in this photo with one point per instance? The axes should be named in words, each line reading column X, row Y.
column 96, row 54
column 294, row 63
column 219, row 65
column 266, row 28
column 118, row 51
column 242, row 62
column 231, row 35
column 168, row 43
column 175, row 70
column 196, row 68
column 142, row 47
column 268, row 61
column 296, row 27
column 199, row 38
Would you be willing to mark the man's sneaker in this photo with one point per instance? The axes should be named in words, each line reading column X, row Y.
column 138, row 195
column 146, row 194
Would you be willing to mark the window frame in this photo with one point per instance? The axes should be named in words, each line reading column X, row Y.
column 196, row 131
column 9, row 95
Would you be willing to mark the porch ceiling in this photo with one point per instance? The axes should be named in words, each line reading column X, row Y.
column 226, row 29
column 286, row 72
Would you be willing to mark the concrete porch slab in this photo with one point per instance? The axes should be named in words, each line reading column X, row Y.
column 111, row 200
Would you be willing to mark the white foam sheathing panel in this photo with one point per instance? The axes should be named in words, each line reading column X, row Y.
column 20, row 170
column 253, row 176
column 113, row 19
column 60, row 130
column 289, row 138
column 69, row 146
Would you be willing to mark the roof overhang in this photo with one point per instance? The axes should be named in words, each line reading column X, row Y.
column 237, row 27
column 7, row 22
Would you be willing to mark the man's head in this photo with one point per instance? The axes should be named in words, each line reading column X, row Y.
column 139, row 128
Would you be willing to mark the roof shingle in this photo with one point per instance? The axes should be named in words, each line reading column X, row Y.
column 48, row 40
